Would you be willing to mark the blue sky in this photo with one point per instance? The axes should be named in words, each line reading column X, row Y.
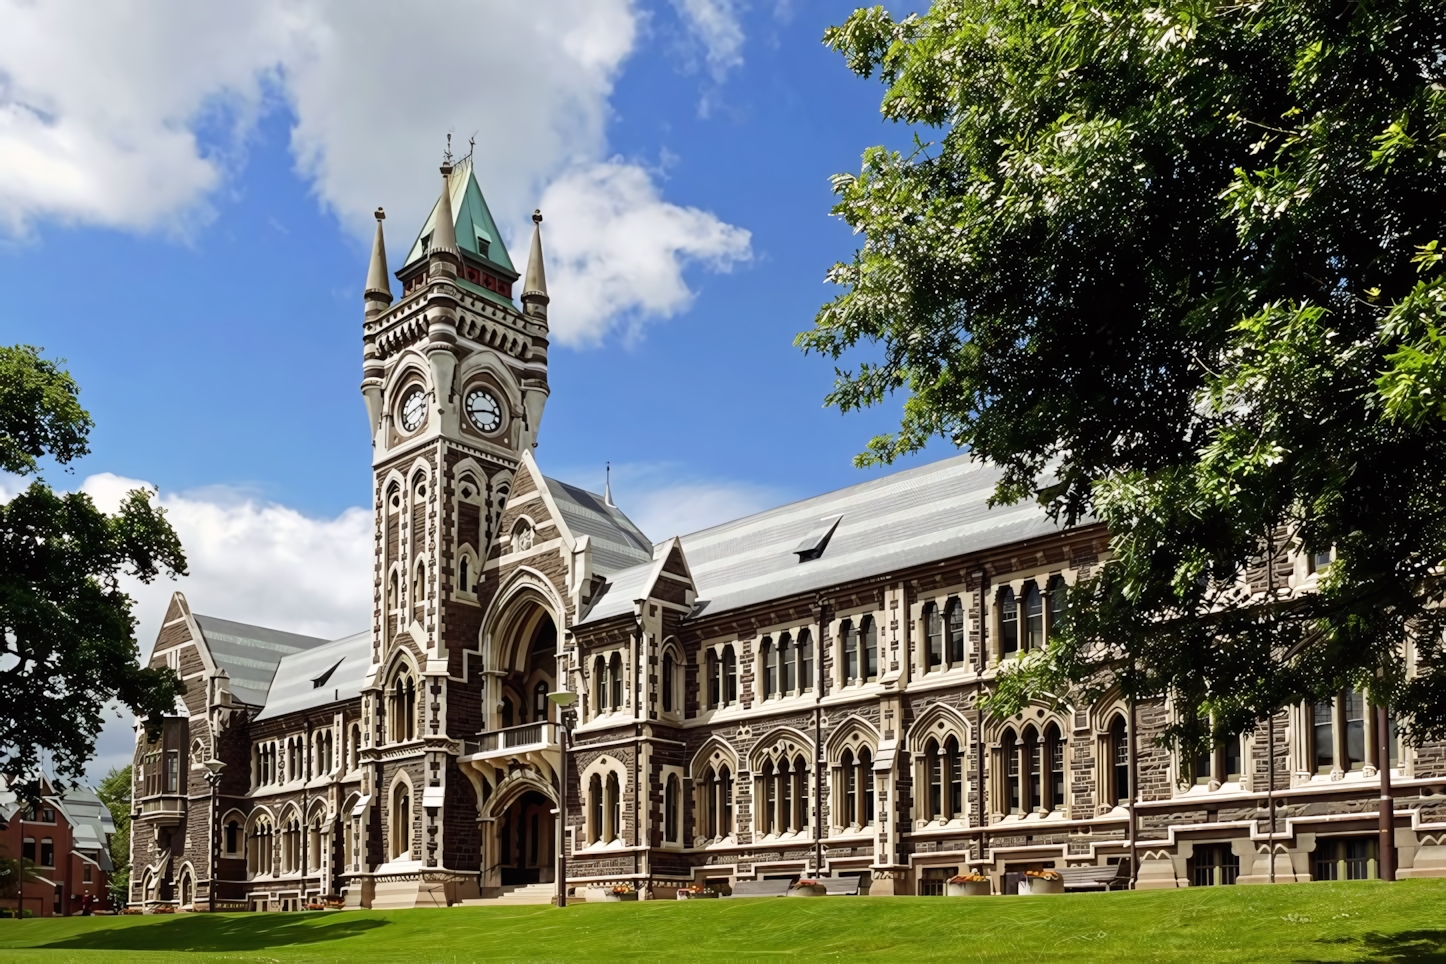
column 185, row 222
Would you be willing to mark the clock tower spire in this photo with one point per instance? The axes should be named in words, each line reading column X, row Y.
column 455, row 379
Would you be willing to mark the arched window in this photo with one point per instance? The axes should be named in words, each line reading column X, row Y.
column 394, row 603
column 462, row 574
column 1033, row 618
column 954, row 620
column 595, row 808
column 866, row 785
column 233, row 836
column 540, row 701
column 715, row 679
column 671, row 807
column 850, row 641
column 600, row 684
column 1011, row 750
column 355, row 746
column 954, row 765
column 670, row 670
column 614, row 803
column 769, row 654
column 725, row 801
column 768, row 817
column 1120, row 760
column 805, row 661
column 1033, row 754
column 1008, row 623
column 1058, row 597
column 849, row 811
column 870, row 633
column 401, row 823
column 509, row 712
column 730, row 676
column 615, row 680
column 419, row 592
column 934, row 763
column 708, row 793
column 786, row 668
column 785, row 797
column 1054, row 746
column 800, row 793
column 934, row 638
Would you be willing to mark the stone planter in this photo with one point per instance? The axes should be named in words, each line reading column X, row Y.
column 609, row 897
column 705, row 895
column 810, row 890
column 1030, row 886
column 970, row 888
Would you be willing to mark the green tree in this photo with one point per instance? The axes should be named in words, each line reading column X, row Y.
column 1173, row 265
column 67, row 636
column 115, row 792
column 15, row 872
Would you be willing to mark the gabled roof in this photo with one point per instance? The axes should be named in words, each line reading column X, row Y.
column 250, row 654
column 318, row 676
column 616, row 543
column 90, row 820
column 473, row 220
column 910, row 518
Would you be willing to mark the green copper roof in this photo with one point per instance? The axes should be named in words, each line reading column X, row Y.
column 476, row 231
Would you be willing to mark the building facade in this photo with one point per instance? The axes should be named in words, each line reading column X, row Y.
column 792, row 693
column 66, row 841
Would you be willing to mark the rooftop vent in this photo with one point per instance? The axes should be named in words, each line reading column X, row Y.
column 816, row 541
column 319, row 681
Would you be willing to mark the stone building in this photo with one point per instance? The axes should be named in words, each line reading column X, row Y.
column 792, row 693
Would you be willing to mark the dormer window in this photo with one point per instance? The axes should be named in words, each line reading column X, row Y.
column 426, row 243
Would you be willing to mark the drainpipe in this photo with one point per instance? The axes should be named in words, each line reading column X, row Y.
column 819, row 759
column 1387, row 846
column 1134, row 794
column 1270, row 793
column 983, row 579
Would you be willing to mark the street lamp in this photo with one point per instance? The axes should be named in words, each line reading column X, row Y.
column 213, row 777
column 563, row 700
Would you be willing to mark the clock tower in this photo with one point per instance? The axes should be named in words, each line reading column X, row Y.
column 454, row 375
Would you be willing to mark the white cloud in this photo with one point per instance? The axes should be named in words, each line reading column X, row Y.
column 256, row 562
column 129, row 115
column 249, row 561
column 618, row 251
column 715, row 25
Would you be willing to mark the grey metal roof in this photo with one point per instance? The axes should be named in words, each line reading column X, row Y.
column 910, row 518
column 323, row 674
column 89, row 819
column 250, row 654
column 617, row 544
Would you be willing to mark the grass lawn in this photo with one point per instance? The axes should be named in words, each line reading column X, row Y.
column 1356, row 921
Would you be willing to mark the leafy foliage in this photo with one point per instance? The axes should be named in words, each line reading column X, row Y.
column 39, row 411
column 1173, row 265
column 67, row 636
column 115, row 792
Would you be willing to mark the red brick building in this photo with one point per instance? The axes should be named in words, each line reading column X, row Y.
column 67, row 840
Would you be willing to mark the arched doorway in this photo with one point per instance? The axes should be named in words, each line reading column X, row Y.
column 524, row 835
column 529, row 666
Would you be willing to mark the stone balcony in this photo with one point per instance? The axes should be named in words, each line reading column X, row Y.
column 538, row 745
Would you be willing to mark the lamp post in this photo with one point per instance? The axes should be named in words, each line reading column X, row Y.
column 213, row 777
column 563, row 700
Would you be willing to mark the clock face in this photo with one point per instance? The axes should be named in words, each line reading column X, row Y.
column 483, row 410
column 414, row 410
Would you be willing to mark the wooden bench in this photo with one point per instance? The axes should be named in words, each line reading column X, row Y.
column 761, row 888
column 1106, row 877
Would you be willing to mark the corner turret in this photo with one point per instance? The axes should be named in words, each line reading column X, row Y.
column 534, row 285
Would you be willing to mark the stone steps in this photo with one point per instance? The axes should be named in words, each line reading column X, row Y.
column 516, row 896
